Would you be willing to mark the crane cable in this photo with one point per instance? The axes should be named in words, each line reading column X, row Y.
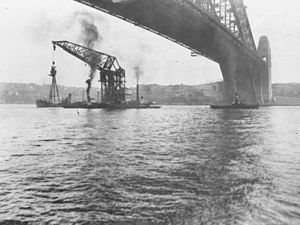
column 53, row 54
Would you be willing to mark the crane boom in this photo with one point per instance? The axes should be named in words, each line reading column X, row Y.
column 100, row 60
column 112, row 75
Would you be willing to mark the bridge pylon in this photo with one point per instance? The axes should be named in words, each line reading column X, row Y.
column 265, row 83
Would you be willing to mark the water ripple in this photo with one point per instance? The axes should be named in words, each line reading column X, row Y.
column 175, row 165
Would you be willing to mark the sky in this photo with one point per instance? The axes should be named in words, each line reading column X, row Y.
column 28, row 27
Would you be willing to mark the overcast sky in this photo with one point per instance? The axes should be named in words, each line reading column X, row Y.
column 28, row 27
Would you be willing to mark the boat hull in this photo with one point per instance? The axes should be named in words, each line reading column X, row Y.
column 46, row 104
column 132, row 106
column 241, row 106
column 85, row 105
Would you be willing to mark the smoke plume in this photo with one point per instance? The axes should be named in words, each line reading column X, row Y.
column 93, row 65
column 138, row 72
column 89, row 36
column 139, row 63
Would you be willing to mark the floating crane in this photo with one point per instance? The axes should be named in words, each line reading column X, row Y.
column 112, row 75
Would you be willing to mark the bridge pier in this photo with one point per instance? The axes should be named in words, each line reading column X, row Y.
column 238, row 74
column 229, row 84
column 238, row 79
column 264, row 52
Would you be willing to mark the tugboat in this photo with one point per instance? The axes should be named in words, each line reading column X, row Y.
column 54, row 100
column 236, row 105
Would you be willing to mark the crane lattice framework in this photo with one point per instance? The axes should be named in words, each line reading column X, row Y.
column 112, row 75
column 217, row 29
column 53, row 93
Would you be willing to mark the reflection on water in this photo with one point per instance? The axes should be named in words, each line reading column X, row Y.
column 174, row 165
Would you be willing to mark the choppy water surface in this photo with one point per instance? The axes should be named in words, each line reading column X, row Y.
column 174, row 165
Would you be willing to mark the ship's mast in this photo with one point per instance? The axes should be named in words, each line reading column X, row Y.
column 53, row 95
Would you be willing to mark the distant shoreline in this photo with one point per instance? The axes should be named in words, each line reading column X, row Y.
column 202, row 94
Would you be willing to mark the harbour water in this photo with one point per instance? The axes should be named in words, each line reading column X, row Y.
column 174, row 165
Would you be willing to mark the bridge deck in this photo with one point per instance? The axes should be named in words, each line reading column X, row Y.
column 179, row 21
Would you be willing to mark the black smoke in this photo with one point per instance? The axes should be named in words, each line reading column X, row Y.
column 138, row 71
column 89, row 33
column 90, row 37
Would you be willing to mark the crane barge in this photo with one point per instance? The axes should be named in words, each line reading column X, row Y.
column 112, row 79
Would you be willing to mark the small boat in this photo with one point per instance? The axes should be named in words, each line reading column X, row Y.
column 236, row 105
